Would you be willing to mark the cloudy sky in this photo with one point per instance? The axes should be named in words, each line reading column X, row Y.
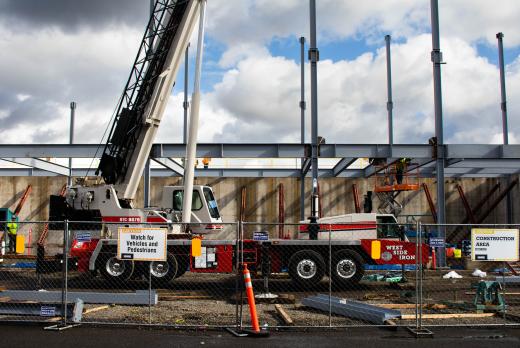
column 56, row 51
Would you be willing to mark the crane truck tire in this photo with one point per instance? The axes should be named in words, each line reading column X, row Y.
column 114, row 270
column 184, row 264
column 306, row 268
column 162, row 272
column 347, row 268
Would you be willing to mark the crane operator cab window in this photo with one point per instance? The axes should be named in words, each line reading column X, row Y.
column 212, row 203
column 387, row 227
column 196, row 201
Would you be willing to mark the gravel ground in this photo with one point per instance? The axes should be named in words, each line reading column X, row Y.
column 219, row 310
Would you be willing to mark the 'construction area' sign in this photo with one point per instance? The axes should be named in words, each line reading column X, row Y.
column 141, row 244
column 492, row 244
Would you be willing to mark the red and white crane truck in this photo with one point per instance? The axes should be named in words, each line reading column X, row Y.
column 346, row 242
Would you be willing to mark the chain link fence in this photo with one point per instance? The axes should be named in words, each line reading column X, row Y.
column 456, row 290
column 303, row 275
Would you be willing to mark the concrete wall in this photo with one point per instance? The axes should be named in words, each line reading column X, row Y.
column 262, row 196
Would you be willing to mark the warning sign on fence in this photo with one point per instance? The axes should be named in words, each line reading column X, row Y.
column 491, row 244
column 141, row 244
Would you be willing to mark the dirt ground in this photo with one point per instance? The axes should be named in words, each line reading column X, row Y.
column 210, row 299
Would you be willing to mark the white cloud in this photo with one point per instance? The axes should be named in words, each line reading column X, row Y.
column 261, row 96
column 257, row 98
column 43, row 71
column 473, row 20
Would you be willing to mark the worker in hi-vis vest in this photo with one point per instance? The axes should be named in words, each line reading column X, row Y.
column 12, row 230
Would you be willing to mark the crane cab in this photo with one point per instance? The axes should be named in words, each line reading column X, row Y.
column 205, row 214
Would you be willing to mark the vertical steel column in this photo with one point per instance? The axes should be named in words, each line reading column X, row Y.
column 357, row 204
column 146, row 171
column 186, row 103
column 503, row 106
column 302, row 126
column 503, row 102
column 314, row 57
column 389, row 103
column 436, row 57
column 71, row 138
column 146, row 185
column 191, row 148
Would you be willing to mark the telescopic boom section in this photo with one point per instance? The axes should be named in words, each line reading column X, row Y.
column 146, row 94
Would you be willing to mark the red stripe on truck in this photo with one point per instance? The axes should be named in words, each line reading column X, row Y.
column 156, row 219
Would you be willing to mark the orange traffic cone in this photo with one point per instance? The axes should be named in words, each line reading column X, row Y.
column 256, row 332
column 251, row 299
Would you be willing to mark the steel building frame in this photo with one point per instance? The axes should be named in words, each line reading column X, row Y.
column 462, row 160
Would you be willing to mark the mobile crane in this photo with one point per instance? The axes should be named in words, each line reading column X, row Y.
column 131, row 136
column 139, row 113
column 347, row 242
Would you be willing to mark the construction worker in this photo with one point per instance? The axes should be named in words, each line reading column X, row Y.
column 12, row 230
column 400, row 168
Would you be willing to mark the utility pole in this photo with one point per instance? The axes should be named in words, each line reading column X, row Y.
column 436, row 57
column 314, row 57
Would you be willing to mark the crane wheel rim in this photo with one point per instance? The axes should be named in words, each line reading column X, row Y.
column 115, row 267
column 159, row 269
column 346, row 268
column 306, row 269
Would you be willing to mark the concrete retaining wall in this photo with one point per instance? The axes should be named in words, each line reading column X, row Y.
column 262, row 196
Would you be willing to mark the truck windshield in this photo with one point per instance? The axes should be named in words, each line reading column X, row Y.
column 387, row 227
column 212, row 203
column 196, row 202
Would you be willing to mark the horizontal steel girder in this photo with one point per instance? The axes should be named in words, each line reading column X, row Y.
column 351, row 309
column 139, row 297
column 473, row 151
column 40, row 164
column 250, row 173
column 171, row 165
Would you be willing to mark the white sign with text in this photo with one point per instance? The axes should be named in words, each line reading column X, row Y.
column 493, row 244
column 141, row 244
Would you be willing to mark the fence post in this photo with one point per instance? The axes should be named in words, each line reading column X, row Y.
column 504, row 290
column 65, row 272
column 237, row 268
column 239, row 274
column 330, row 276
column 417, row 229
column 150, row 291
column 420, row 275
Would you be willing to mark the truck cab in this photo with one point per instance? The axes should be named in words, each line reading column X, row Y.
column 205, row 215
